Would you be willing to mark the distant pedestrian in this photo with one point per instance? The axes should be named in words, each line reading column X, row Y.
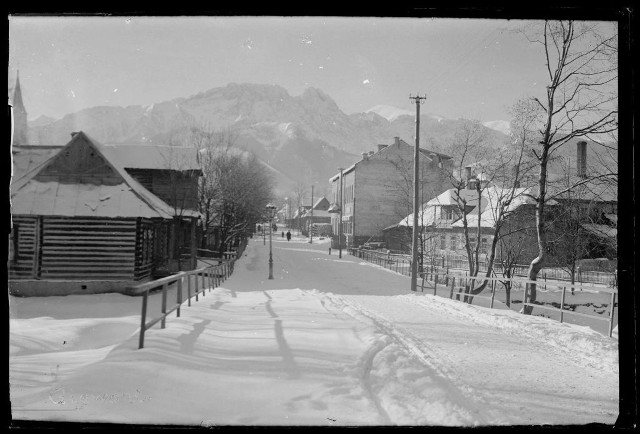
column 288, row 236
column 259, row 228
column 282, row 234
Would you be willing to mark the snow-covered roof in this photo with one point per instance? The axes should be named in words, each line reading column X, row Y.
column 52, row 197
column 429, row 214
column 491, row 197
column 602, row 231
column 316, row 213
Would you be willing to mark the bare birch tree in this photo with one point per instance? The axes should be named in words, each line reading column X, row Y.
column 581, row 101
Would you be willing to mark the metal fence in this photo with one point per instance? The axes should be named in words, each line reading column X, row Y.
column 452, row 277
column 401, row 263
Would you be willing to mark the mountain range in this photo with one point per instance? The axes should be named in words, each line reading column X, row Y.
column 302, row 139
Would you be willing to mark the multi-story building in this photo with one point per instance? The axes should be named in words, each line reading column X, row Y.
column 377, row 190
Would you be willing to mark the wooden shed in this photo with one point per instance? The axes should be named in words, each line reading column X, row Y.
column 82, row 224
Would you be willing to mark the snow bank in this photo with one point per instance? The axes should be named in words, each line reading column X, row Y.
column 582, row 344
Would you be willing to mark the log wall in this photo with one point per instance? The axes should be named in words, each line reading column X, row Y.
column 25, row 259
column 88, row 248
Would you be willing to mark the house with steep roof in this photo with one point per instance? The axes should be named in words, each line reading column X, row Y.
column 581, row 216
column 171, row 173
column 83, row 224
column 376, row 191
column 319, row 216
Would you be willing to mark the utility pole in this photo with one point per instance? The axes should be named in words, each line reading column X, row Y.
column 417, row 100
column 340, row 222
column 311, row 223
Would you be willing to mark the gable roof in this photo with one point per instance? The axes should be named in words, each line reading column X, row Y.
column 425, row 152
column 124, row 197
column 136, row 156
column 486, row 211
column 322, row 204
column 428, row 215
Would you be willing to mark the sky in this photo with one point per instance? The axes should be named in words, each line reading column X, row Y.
column 473, row 68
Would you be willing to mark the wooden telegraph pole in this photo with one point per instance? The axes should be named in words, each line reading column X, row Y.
column 311, row 222
column 417, row 100
column 340, row 222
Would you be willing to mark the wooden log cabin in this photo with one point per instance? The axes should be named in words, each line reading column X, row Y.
column 82, row 224
column 171, row 173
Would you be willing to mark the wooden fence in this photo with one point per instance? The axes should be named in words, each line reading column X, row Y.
column 203, row 278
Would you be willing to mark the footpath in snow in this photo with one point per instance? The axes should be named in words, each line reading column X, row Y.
column 328, row 341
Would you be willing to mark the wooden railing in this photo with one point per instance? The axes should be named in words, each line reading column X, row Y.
column 464, row 283
column 204, row 278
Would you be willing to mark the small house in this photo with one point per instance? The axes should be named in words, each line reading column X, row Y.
column 82, row 224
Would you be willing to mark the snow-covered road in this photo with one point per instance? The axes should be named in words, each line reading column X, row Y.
column 327, row 341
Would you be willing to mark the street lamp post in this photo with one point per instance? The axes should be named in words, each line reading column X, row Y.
column 270, row 213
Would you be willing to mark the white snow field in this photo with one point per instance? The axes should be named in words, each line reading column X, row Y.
column 328, row 341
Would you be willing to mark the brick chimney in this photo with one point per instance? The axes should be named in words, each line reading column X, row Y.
column 581, row 162
column 381, row 147
column 468, row 182
column 397, row 140
column 365, row 156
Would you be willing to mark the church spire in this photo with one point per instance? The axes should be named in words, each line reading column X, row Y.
column 19, row 116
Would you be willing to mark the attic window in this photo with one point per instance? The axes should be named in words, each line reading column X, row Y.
column 446, row 213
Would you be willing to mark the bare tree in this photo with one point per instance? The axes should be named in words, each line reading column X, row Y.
column 235, row 187
column 402, row 199
column 488, row 179
column 509, row 253
column 581, row 101
column 179, row 189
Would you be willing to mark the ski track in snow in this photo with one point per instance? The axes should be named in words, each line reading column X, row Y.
column 472, row 411
column 395, row 367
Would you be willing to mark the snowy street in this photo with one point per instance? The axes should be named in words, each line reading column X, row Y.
column 328, row 341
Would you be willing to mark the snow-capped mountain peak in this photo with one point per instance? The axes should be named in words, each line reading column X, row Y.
column 388, row 112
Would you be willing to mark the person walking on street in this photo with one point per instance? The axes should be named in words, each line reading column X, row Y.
column 288, row 236
column 282, row 234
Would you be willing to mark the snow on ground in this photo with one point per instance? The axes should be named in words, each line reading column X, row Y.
column 328, row 341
